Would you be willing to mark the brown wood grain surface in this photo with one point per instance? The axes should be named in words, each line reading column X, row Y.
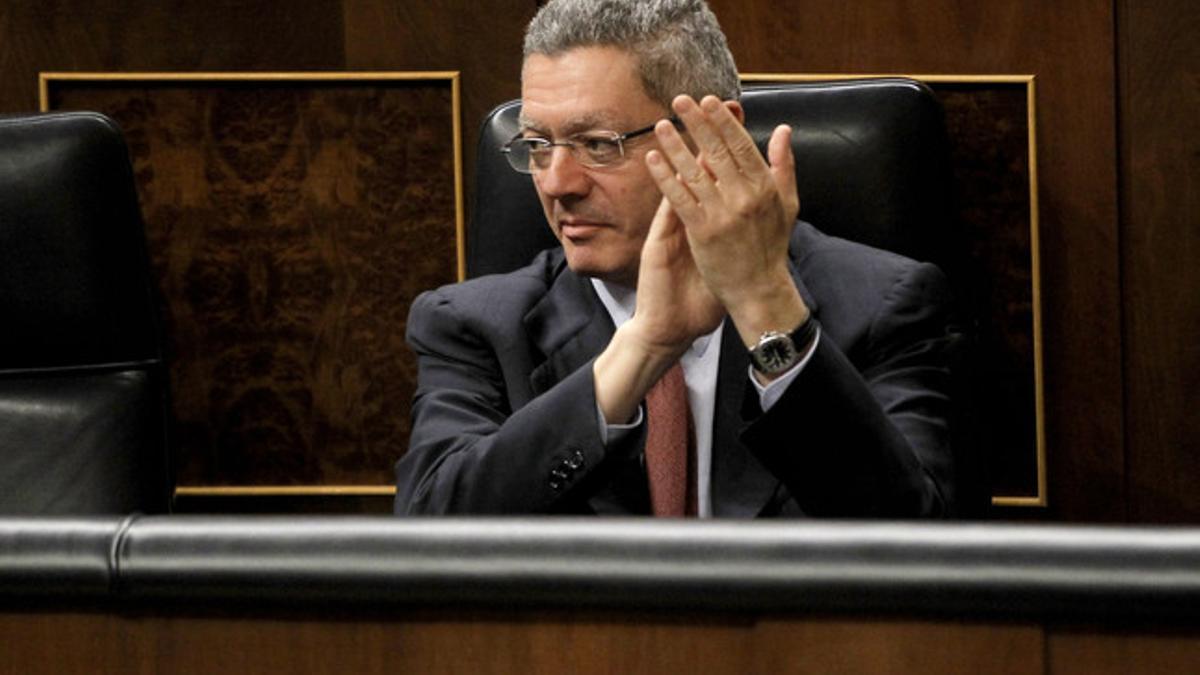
column 290, row 224
column 527, row 642
column 1160, row 242
column 180, row 642
column 480, row 38
column 1082, row 651
column 172, row 35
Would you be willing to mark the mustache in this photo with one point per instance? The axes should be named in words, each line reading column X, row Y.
column 580, row 212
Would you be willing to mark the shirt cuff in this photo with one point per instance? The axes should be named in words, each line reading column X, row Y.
column 770, row 394
column 616, row 432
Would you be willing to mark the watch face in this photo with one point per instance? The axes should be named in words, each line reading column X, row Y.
column 774, row 353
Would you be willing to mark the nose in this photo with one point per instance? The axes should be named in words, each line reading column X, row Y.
column 564, row 177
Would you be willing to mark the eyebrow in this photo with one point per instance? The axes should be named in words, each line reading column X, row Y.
column 574, row 125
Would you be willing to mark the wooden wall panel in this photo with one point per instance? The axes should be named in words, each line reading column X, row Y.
column 989, row 138
column 171, row 35
column 444, row 641
column 234, row 35
column 519, row 642
column 289, row 226
column 1068, row 46
column 879, row 646
column 1089, row 651
column 1160, row 245
column 479, row 38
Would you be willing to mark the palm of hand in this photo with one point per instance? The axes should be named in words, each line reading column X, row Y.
column 674, row 304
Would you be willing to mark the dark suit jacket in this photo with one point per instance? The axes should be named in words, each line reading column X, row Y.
column 504, row 418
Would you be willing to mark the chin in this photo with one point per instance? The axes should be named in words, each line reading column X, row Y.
column 584, row 269
column 600, row 262
column 593, row 269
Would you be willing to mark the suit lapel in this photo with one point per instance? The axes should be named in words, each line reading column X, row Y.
column 569, row 326
column 739, row 485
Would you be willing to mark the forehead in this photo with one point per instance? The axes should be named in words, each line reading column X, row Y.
column 584, row 88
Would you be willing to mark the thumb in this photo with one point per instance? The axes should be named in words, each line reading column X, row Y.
column 665, row 223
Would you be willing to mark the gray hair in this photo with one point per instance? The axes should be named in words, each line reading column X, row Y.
column 678, row 44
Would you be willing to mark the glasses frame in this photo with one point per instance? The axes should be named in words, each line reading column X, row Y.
column 573, row 147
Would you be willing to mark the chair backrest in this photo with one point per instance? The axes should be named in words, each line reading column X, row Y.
column 82, row 381
column 871, row 166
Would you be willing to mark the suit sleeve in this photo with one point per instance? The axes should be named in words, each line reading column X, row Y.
column 867, row 434
column 470, row 451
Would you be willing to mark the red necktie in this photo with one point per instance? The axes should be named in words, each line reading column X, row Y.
column 670, row 447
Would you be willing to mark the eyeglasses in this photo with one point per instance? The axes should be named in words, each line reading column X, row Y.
column 594, row 149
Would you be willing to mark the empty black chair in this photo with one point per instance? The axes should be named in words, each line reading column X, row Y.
column 82, row 380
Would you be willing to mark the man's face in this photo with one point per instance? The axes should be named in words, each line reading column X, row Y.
column 599, row 215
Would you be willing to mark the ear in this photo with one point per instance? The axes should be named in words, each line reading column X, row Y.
column 735, row 107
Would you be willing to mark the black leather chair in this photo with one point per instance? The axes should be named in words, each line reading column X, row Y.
column 82, row 381
column 871, row 166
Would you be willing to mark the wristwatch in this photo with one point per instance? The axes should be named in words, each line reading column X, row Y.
column 776, row 352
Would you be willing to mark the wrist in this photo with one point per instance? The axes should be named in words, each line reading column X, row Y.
column 627, row 369
column 778, row 353
column 639, row 339
column 776, row 306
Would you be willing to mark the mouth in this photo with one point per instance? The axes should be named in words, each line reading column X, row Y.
column 577, row 229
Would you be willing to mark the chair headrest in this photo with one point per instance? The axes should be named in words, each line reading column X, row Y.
column 74, row 277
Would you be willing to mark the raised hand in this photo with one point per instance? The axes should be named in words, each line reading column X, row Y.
column 737, row 211
column 674, row 307
column 674, row 304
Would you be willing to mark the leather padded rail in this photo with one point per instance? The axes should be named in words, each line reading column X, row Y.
column 963, row 570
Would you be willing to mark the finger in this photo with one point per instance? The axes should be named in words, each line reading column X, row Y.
column 716, row 154
column 735, row 137
column 783, row 167
column 693, row 176
column 673, row 189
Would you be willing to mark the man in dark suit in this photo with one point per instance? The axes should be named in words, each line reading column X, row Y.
column 814, row 369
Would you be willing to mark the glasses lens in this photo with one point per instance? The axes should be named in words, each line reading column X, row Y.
column 517, row 152
column 528, row 155
column 599, row 150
